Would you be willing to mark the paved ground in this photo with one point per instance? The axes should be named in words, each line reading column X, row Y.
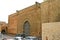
column 4, row 36
column 0, row 36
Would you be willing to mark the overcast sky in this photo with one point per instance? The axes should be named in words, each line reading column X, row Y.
column 8, row 7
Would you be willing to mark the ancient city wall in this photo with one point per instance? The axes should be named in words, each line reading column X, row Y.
column 50, row 11
column 3, row 26
column 12, row 24
column 32, row 15
column 37, row 14
column 44, row 12
column 54, row 13
column 0, row 28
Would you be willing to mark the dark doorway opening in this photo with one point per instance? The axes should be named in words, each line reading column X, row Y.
column 3, row 31
column 26, row 28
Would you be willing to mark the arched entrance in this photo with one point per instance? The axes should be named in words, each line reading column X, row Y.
column 26, row 28
column 3, row 31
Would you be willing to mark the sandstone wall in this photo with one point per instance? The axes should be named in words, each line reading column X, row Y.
column 44, row 12
column 12, row 24
column 3, row 26
column 54, row 13
column 0, row 28
column 50, row 11
column 51, row 31
column 32, row 15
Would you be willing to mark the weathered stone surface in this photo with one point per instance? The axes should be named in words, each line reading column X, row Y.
column 3, row 25
column 12, row 28
column 51, row 31
column 36, row 15
column 30, row 14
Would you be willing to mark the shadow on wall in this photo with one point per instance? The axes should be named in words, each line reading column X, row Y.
column 58, row 18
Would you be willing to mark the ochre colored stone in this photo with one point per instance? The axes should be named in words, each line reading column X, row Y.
column 36, row 15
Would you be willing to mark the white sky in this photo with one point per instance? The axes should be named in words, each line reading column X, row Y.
column 8, row 7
